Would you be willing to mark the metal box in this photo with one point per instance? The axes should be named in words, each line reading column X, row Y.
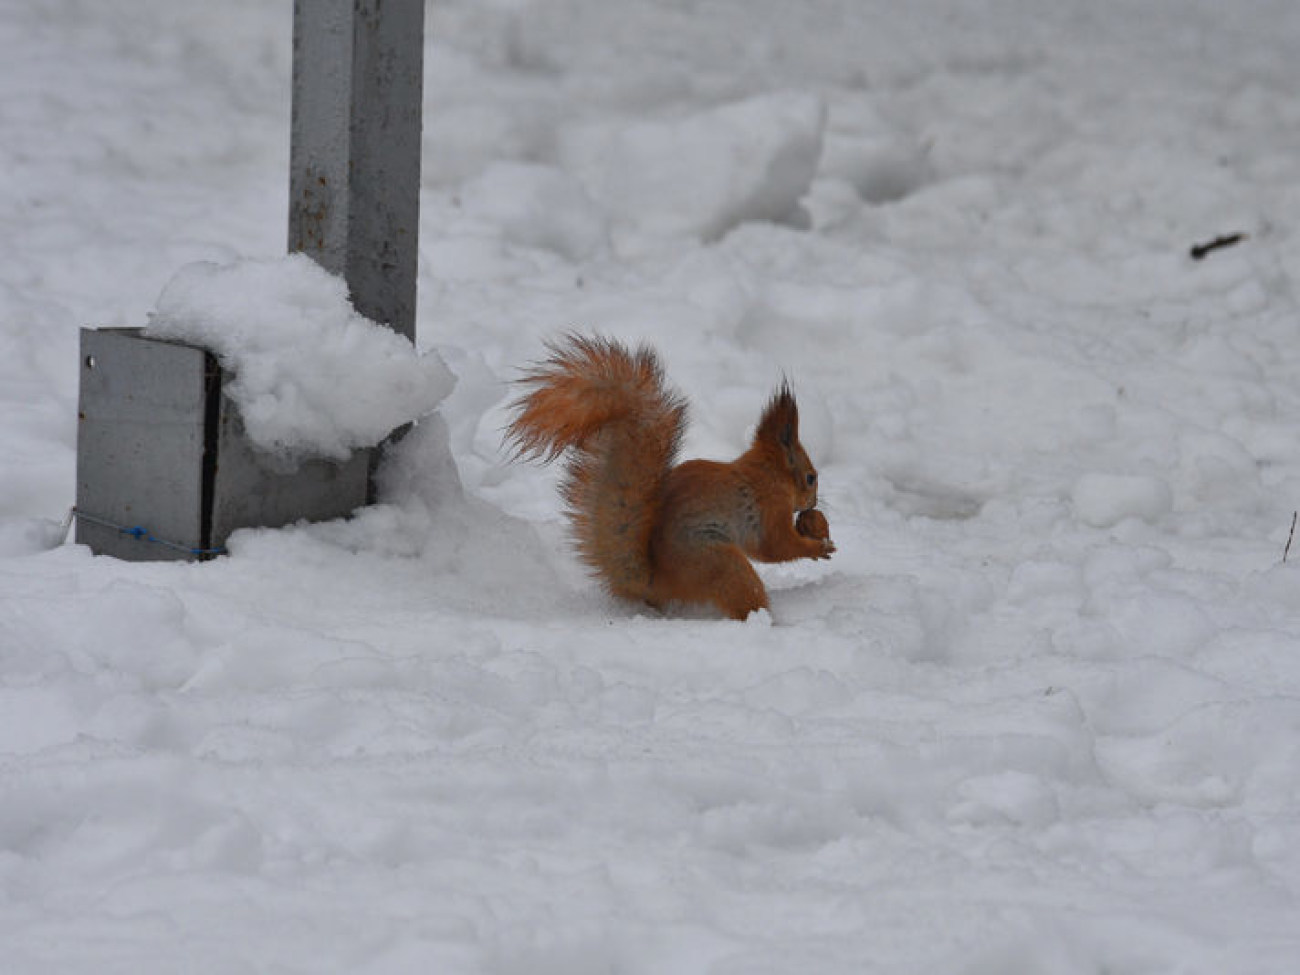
column 164, row 468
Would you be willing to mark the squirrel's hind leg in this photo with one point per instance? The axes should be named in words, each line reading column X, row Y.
column 738, row 591
column 719, row 574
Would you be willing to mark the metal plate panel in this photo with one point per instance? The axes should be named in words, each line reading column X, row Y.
column 254, row 489
column 140, row 443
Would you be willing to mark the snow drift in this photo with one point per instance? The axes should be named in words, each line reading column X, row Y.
column 312, row 378
column 706, row 172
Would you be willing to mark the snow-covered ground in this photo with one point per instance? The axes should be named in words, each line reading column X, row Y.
column 1040, row 715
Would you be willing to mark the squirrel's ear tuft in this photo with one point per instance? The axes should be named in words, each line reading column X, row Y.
column 780, row 420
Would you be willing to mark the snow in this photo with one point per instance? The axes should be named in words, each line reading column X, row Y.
column 538, row 206
column 1104, row 500
column 708, row 172
column 311, row 377
column 1039, row 715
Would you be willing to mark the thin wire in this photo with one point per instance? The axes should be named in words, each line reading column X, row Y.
column 143, row 534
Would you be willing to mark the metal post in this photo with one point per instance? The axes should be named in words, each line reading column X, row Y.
column 354, row 187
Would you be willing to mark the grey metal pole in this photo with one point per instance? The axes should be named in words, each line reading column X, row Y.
column 354, row 186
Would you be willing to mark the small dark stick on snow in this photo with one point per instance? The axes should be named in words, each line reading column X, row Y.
column 1287, row 551
column 1200, row 250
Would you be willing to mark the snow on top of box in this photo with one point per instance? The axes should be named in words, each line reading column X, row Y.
column 312, row 377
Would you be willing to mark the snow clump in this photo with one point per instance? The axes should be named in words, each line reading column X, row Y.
column 311, row 376
column 703, row 174
column 1104, row 500
column 538, row 206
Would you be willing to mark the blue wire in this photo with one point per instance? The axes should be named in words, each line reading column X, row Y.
column 143, row 534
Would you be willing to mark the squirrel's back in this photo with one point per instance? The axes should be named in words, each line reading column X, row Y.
column 613, row 410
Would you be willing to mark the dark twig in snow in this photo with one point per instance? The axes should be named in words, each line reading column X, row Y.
column 1200, row 250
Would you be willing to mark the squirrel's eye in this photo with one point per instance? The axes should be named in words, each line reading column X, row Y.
column 811, row 479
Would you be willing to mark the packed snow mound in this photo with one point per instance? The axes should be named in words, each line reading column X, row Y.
column 312, row 377
column 538, row 206
column 705, row 173
column 1104, row 500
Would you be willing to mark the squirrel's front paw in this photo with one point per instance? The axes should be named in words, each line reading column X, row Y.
column 813, row 524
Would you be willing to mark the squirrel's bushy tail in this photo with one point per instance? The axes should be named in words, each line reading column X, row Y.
column 622, row 424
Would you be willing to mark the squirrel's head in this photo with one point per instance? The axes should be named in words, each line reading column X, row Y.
column 778, row 435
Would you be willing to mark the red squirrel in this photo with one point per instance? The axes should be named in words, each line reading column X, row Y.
column 649, row 528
